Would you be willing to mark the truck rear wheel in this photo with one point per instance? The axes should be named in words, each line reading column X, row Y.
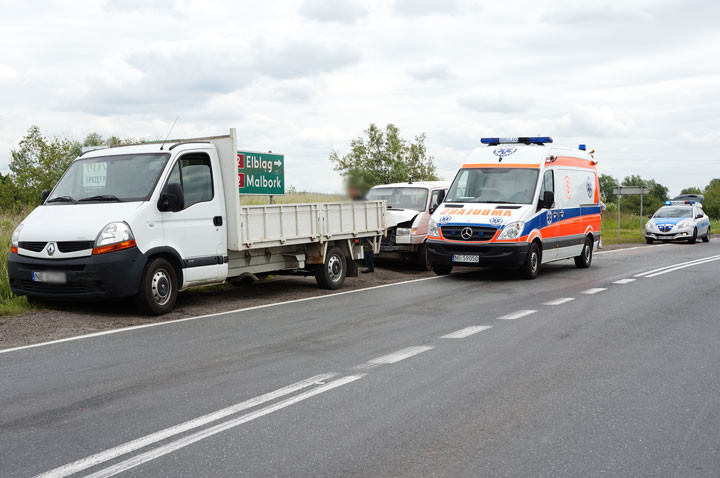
column 584, row 260
column 331, row 275
column 422, row 258
column 158, row 288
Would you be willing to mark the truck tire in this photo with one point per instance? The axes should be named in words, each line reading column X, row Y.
column 584, row 260
column 158, row 288
column 422, row 258
column 706, row 237
column 693, row 239
column 441, row 269
column 331, row 275
column 531, row 266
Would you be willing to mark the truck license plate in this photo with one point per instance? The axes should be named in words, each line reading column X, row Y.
column 466, row 258
column 49, row 277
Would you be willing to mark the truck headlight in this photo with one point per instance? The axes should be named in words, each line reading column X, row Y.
column 403, row 231
column 15, row 239
column 114, row 237
column 433, row 229
column 512, row 230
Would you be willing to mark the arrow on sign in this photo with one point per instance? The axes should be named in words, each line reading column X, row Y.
column 277, row 163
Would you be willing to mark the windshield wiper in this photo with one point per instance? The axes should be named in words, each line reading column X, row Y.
column 61, row 199
column 102, row 197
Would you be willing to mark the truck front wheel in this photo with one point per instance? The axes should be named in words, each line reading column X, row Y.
column 158, row 288
column 331, row 275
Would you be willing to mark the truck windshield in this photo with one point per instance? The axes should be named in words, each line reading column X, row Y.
column 494, row 185
column 401, row 198
column 674, row 212
column 127, row 177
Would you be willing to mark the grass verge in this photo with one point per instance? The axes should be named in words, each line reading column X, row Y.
column 632, row 228
column 10, row 304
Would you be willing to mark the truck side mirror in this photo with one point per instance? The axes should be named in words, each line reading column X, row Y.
column 172, row 199
column 44, row 195
column 548, row 200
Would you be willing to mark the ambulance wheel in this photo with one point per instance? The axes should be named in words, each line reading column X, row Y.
column 648, row 240
column 584, row 260
column 531, row 266
column 442, row 269
column 693, row 239
column 158, row 288
column 422, row 258
column 706, row 237
column 331, row 275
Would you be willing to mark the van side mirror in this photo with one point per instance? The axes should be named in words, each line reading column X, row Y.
column 440, row 199
column 650, row 216
column 44, row 195
column 547, row 200
column 172, row 199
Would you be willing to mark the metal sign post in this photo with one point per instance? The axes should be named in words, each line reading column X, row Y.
column 629, row 191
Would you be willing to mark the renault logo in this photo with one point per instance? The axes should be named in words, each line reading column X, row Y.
column 51, row 249
column 466, row 233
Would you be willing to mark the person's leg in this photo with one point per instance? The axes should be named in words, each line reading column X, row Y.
column 370, row 259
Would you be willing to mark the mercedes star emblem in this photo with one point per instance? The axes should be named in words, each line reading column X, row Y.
column 466, row 233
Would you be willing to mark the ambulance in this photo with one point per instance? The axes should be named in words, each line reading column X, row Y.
column 519, row 203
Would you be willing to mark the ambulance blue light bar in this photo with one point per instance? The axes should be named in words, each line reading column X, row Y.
column 520, row 140
column 582, row 147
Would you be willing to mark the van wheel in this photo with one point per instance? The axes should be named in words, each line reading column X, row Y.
column 693, row 239
column 422, row 258
column 584, row 260
column 331, row 275
column 649, row 241
column 158, row 288
column 706, row 237
column 441, row 269
column 529, row 270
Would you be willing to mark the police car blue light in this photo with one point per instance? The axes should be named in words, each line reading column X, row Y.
column 518, row 140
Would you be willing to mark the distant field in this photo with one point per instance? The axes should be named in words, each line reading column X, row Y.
column 292, row 198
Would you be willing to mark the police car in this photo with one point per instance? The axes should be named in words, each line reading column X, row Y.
column 678, row 221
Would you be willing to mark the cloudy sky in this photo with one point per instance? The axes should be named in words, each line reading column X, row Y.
column 637, row 80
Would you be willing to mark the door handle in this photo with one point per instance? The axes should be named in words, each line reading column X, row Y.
column 217, row 221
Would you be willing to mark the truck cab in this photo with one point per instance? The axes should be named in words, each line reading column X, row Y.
column 410, row 206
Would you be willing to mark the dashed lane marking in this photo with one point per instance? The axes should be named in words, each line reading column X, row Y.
column 594, row 290
column 517, row 315
column 466, row 332
column 560, row 301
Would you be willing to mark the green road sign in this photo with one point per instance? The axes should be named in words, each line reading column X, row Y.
column 261, row 173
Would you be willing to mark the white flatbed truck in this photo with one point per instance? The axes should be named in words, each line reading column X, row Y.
column 149, row 220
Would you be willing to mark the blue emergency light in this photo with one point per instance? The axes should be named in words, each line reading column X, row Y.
column 582, row 147
column 676, row 203
column 520, row 140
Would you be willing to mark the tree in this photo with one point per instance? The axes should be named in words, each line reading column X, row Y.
column 383, row 157
column 94, row 139
column 651, row 202
column 39, row 163
column 691, row 190
column 607, row 186
column 9, row 194
column 712, row 199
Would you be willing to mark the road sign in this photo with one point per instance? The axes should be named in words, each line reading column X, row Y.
column 630, row 190
column 261, row 173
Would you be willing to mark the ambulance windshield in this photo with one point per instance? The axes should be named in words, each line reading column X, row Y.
column 494, row 185
column 674, row 212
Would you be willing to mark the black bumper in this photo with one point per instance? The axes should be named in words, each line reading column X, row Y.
column 115, row 274
column 490, row 255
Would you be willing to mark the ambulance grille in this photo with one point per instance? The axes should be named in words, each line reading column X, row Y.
column 479, row 233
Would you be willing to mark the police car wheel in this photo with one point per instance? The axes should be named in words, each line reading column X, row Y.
column 693, row 239
column 529, row 270
column 706, row 237
column 584, row 260
column 648, row 240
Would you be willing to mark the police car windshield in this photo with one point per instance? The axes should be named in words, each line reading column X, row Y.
column 674, row 212
column 127, row 177
column 494, row 185
column 401, row 198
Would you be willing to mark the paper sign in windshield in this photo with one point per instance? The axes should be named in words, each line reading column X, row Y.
column 94, row 175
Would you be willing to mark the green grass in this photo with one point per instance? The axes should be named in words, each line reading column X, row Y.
column 10, row 304
column 632, row 228
column 291, row 198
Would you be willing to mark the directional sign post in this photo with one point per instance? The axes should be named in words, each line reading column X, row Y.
column 629, row 191
column 261, row 173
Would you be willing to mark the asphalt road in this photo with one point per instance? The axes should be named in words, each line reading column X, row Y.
column 609, row 371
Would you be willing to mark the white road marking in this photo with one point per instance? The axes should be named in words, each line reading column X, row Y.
column 683, row 267
column 247, row 309
column 466, row 332
column 563, row 300
column 221, row 427
column 629, row 249
column 517, row 315
column 400, row 355
column 703, row 259
column 112, row 453
column 624, row 281
column 594, row 290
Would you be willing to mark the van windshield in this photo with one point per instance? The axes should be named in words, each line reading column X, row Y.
column 494, row 185
column 674, row 212
column 401, row 198
column 127, row 177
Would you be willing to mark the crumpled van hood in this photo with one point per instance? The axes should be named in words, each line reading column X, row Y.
column 393, row 217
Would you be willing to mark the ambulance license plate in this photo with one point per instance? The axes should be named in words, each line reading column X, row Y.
column 466, row 258
column 51, row 277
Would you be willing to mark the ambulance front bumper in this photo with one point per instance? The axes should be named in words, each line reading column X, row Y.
column 480, row 255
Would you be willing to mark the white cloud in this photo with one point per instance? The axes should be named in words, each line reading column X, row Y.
column 297, row 59
column 496, row 102
column 436, row 69
column 343, row 11
column 418, row 8
column 7, row 73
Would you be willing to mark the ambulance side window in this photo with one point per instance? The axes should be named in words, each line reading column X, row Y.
column 548, row 183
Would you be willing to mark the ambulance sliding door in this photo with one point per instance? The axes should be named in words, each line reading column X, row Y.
column 548, row 217
column 571, row 194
